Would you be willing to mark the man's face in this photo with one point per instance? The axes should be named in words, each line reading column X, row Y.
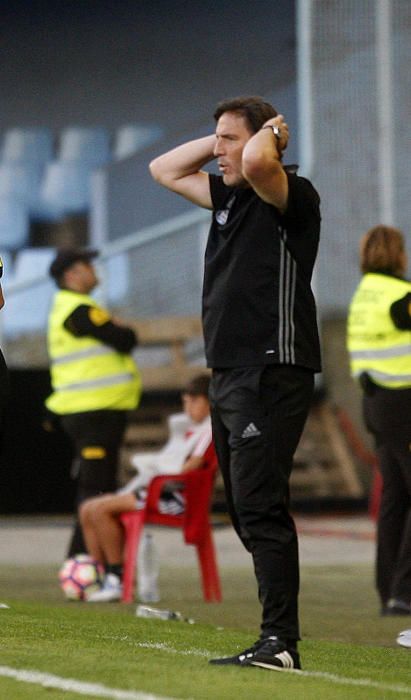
column 232, row 134
column 81, row 277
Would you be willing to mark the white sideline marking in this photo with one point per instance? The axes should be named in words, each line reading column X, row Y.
column 362, row 682
column 161, row 646
column 333, row 678
column 48, row 680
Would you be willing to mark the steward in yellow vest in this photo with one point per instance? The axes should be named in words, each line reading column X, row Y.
column 379, row 343
column 376, row 344
column 94, row 378
column 88, row 374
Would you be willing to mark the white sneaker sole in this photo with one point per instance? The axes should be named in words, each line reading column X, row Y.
column 261, row 664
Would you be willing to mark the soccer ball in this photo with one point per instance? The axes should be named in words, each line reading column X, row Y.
column 80, row 576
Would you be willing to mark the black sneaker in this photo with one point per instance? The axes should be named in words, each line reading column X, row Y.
column 269, row 653
column 242, row 659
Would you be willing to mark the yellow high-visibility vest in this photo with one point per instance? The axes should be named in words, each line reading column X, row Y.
column 86, row 374
column 375, row 345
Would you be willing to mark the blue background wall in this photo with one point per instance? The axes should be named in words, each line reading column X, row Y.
column 166, row 62
column 106, row 62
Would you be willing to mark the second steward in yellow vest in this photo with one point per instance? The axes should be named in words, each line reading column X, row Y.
column 94, row 378
column 379, row 344
column 376, row 343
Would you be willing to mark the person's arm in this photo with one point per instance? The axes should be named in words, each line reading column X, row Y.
column 193, row 462
column 180, row 170
column 261, row 163
column 96, row 322
column 196, row 460
column 400, row 313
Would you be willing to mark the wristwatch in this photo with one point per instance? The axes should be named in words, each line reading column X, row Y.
column 275, row 129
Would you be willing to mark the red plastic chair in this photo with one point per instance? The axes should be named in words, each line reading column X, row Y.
column 195, row 523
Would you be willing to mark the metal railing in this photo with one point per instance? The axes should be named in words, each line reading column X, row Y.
column 161, row 275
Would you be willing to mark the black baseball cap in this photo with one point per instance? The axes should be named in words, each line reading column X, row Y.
column 67, row 257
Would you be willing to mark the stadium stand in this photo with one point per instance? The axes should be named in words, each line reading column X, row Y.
column 65, row 189
column 14, row 224
column 343, row 85
column 115, row 278
column 52, row 187
column 32, row 262
column 131, row 138
column 22, row 145
column 85, row 145
column 26, row 312
column 21, row 182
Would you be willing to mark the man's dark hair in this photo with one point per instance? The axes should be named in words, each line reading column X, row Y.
column 253, row 108
column 198, row 386
column 66, row 258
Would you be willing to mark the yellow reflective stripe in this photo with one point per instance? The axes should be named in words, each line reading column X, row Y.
column 94, row 452
column 383, row 376
column 97, row 351
column 375, row 353
column 93, row 383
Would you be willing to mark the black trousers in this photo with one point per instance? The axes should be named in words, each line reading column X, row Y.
column 4, row 393
column 394, row 520
column 258, row 414
column 387, row 414
column 96, row 437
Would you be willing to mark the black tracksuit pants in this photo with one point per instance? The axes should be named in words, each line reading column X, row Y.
column 4, row 393
column 394, row 520
column 258, row 414
column 387, row 414
column 96, row 437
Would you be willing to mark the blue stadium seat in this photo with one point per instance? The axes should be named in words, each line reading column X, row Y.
column 32, row 262
column 8, row 267
column 115, row 277
column 14, row 224
column 65, row 189
column 26, row 311
column 85, row 144
column 131, row 138
column 20, row 181
column 21, row 145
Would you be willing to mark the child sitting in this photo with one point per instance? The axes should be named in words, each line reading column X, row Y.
column 100, row 516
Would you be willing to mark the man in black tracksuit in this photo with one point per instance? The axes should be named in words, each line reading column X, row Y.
column 261, row 340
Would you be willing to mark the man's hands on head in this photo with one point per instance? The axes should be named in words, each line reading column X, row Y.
column 262, row 167
column 283, row 136
column 180, row 170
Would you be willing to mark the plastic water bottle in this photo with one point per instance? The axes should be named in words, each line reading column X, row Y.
column 156, row 613
column 148, row 569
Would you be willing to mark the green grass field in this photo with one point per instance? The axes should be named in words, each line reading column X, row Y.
column 348, row 650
